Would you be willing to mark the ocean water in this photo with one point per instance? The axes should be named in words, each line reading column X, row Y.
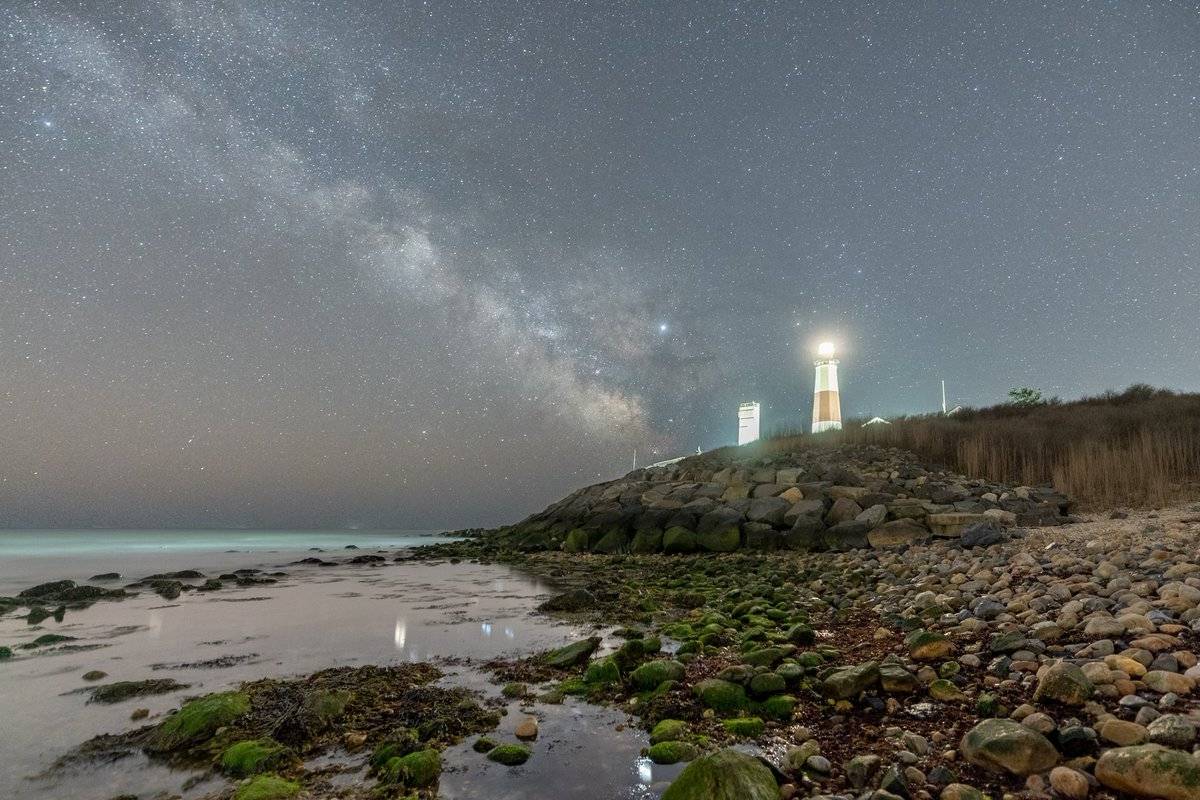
column 31, row 557
column 454, row 615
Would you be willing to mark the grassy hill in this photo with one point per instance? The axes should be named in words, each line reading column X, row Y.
column 1139, row 447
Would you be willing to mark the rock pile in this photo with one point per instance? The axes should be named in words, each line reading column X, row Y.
column 837, row 498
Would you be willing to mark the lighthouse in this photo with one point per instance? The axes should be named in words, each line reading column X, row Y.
column 747, row 423
column 827, row 408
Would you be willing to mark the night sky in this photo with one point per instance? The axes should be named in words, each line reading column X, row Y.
column 422, row 264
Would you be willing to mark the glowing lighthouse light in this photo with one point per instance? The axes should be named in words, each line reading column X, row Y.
column 827, row 407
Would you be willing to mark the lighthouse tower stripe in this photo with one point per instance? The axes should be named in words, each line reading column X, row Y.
column 827, row 409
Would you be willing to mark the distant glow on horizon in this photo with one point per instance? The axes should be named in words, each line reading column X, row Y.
column 825, row 349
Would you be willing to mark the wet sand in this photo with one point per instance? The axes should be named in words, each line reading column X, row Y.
column 315, row 618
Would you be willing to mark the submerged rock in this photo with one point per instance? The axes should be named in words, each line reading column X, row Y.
column 572, row 655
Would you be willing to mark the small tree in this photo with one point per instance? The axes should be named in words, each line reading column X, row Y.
column 1024, row 396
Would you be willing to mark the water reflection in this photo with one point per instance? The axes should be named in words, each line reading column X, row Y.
column 400, row 636
column 645, row 771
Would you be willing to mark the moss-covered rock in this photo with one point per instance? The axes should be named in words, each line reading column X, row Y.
column 652, row 673
column 572, row 655
column 267, row 787
column 926, row 645
column 746, row 727
column 1064, row 682
column 197, row 721
column 724, row 775
column 720, row 540
column 1150, row 770
column 510, row 755
column 847, row 682
column 668, row 730
column 801, row 634
column 321, row 708
column 125, row 690
column 672, row 752
column 576, row 541
column 484, row 744
column 400, row 742
column 604, row 672
column 254, row 756
column 415, row 770
column 721, row 696
column 767, row 683
column 5, row 652
column 679, row 540
column 1003, row 745
column 647, row 540
column 779, row 706
column 614, row 541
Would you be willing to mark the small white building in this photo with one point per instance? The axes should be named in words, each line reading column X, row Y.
column 748, row 423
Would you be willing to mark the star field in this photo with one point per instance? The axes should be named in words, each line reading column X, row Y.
column 420, row 264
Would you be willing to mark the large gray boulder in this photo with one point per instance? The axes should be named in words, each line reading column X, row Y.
column 1002, row 745
column 1150, row 770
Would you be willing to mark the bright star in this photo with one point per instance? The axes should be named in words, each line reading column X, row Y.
column 662, row 328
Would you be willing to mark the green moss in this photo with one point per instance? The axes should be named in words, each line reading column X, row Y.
column 801, row 634
column 45, row 639
column 603, row 672
column 326, row 706
column 399, row 743
column 672, row 752
column 484, row 745
column 668, row 730
column 679, row 540
column 576, row 541
column 198, row 720
column 652, row 673
column 514, row 690
column 723, row 540
column 510, row 755
column 647, row 540
column 779, row 706
column 747, row 727
column 721, row 696
column 418, row 769
column 267, row 787
column 254, row 756
column 5, row 652
column 725, row 775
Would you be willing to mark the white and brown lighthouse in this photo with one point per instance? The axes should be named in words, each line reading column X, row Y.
column 827, row 407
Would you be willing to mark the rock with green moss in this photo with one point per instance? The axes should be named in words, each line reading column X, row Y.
column 746, row 727
column 926, row 645
column 253, row 756
column 510, row 755
column 197, row 721
column 720, row 540
column 672, row 752
column 604, row 672
column 779, row 706
column 614, row 541
column 5, row 652
column 652, row 673
column 1150, row 770
column 399, row 742
column 801, row 634
column 484, row 744
column 679, row 540
column 125, row 690
column 415, row 770
column 724, row 775
column 267, row 787
column 45, row 640
column 848, row 682
column 945, row 691
column 572, row 655
column 514, row 690
column 647, row 540
column 321, row 708
column 576, row 541
column 1002, row 745
column 767, row 683
column 721, row 696
column 1064, row 682
column 765, row 656
column 668, row 730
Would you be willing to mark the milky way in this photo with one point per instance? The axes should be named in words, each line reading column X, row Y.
column 399, row 264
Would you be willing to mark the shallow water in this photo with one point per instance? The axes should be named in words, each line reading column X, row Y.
column 31, row 557
column 315, row 618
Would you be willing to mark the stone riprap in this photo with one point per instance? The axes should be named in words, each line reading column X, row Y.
column 837, row 498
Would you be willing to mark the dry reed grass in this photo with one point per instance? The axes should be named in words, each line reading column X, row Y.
column 1138, row 448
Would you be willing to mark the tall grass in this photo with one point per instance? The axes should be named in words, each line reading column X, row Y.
column 1140, row 447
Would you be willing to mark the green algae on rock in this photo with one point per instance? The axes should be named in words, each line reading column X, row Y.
column 510, row 755
column 125, row 690
column 267, row 787
column 415, row 770
column 252, row 756
column 724, row 775
column 197, row 721
column 672, row 752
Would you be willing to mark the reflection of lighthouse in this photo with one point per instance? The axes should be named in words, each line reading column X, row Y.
column 827, row 408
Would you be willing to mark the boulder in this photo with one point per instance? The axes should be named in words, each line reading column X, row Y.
column 725, row 775
column 720, row 540
column 814, row 508
column 874, row 516
column 843, row 510
column 1150, row 770
column 574, row 600
column 898, row 532
column 679, row 540
column 1002, row 745
column 721, row 696
column 1064, row 682
column 572, row 655
column 767, row 509
column 848, row 682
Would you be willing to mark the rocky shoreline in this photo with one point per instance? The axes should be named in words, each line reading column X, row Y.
column 797, row 655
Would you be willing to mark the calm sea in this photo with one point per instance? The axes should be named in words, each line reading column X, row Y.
column 30, row 557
